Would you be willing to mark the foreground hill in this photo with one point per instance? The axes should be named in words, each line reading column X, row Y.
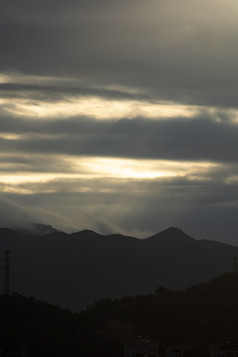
column 201, row 315
column 38, row 327
column 196, row 318
column 75, row 270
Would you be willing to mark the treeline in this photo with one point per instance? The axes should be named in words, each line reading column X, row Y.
column 202, row 315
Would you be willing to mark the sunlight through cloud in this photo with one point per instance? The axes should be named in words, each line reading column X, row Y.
column 98, row 108
column 85, row 168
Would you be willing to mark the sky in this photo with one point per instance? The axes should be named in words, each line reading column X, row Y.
column 120, row 116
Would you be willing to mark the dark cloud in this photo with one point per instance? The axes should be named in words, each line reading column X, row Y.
column 197, row 139
column 221, row 98
column 156, row 47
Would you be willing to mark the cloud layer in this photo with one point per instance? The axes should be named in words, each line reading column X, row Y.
column 120, row 116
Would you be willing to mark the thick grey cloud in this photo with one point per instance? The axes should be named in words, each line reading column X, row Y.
column 56, row 90
column 157, row 46
column 198, row 139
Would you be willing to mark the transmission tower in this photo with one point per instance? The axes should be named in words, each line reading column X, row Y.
column 6, row 281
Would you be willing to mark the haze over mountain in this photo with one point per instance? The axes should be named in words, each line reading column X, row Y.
column 75, row 270
column 36, row 228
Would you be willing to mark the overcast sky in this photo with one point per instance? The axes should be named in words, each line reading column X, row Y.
column 120, row 116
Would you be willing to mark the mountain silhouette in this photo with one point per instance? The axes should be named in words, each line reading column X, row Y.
column 75, row 270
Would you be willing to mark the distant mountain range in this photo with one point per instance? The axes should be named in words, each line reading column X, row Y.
column 74, row 270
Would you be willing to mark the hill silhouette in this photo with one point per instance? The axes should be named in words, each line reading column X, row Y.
column 75, row 270
column 202, row 315
column 40, row 328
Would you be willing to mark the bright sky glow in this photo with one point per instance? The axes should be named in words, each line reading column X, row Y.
column 146, row 169
column 85, row 168
column 19, row 78
column 10, row 136
column 96, row 107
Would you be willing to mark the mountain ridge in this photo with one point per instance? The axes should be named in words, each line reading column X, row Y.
column 74, row 270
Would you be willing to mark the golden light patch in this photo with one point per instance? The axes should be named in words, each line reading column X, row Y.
column 4, row 78
column 10, row 136
column 98, row 108
column 93, row 106
column 21, row 178
column 84, row 169
column 139, row 169
column 21, row 78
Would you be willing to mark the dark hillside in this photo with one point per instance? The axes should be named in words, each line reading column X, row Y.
column 196, row 318
column 75, row 270
column 203, row 314
column 42, row 328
